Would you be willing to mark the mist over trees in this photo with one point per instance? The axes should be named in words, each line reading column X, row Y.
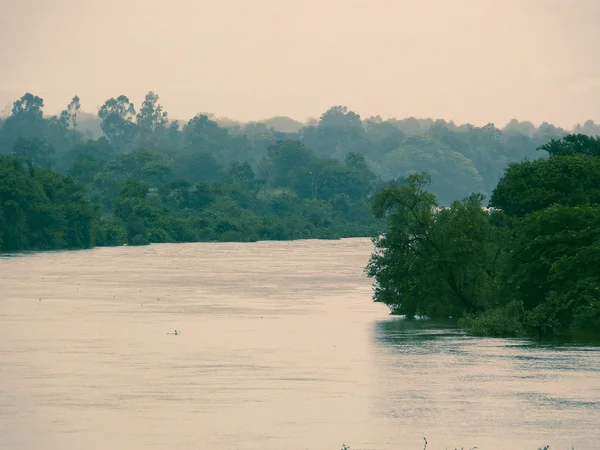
column 149, row 178
column 461, row 159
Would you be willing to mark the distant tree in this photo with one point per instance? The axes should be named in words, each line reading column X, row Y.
column 340, row 117
column 30, row 105
column 37, row 151
column 201, row 134
column 197, row 166
column 453, row 175
column 151, row 120
column 117, row 122
column 239, row 173
column 288, row 164
column 26, row 121
column 143, row 164
column 89, row 158
column 339, row 132
column 547, row 131
column 384, row 136
column 516, row 127
column 69, row 115
column 589, row 127
column 572, row 144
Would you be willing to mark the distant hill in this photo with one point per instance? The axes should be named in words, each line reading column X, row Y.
column 89, row 125
column 283, row 124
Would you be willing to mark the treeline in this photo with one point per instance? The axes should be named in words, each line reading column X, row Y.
column 149, row 180
column 530, row 265
column 152, row 179
column 460, row 158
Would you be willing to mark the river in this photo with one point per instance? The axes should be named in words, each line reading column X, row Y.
column 279, row 346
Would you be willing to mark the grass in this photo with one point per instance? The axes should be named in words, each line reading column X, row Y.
column 546, row 447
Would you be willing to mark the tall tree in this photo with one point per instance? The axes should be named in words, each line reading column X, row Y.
column 26, row 121
column 430, row 261
column 117, row 116
column 151, row 120
column 29, row 104
column 69, row 115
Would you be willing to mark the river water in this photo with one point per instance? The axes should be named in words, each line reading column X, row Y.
column 279, row 347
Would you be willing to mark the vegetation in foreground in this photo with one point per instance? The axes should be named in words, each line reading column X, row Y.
column 528, row 266
column 546, row 447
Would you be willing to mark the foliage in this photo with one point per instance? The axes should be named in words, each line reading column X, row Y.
column 117, row 116
column 435, row 262
column 460, row 159
column 151, row 121
column 534, row 185
column 35, row 150
column 40, row 209
column 506, row 320
column 531, row 267
column 149, row 181
column 573, row 144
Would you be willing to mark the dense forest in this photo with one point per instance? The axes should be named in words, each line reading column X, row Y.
column 147, row 180
column 135, row 176
column 529, row 264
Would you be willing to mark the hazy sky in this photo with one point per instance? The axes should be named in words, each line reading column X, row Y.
column 468, row 60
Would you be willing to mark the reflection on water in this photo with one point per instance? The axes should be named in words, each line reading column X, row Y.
column 279, row 347
column 494, row 393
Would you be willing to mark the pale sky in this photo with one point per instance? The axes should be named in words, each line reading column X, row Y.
column 475, row 61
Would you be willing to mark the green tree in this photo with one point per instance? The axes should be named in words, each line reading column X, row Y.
column 30, row 105
column 288, row 164
column 89, row 158
column 69, row 115
column 554, row 267
column 35, row 150
column 133, row 207
column 25, row 122
column 338, row 133
column 117, row 124
column 553, row 207
column 197, row 165
column 143, row 164
column 42, row 210
column 151, row 121
column 534, row 185
column 453, row 175
column 431, row 261
column 202, row 135
column 573, row 144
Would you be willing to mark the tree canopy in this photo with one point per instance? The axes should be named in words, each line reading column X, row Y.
column 528, row 265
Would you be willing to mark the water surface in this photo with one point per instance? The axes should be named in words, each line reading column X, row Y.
column 279, row 347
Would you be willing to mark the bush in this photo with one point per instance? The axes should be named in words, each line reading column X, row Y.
column 497, row 322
